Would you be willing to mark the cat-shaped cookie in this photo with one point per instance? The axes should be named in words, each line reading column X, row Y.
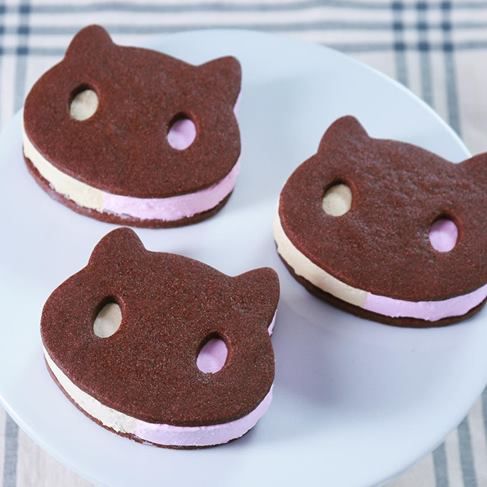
column 387, row 230
column 191, row 363
column 130, row 135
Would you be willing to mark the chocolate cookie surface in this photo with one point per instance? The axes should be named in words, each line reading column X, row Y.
column 171, row 306
column 381, row 246
column 122, row 148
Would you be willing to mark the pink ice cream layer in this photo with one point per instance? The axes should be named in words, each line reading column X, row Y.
column 426, row 310
column 164, row 434
column 443, row 235
column 174, row 207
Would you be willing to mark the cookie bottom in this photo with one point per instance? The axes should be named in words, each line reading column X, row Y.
column 370, row 315
column 115, row 218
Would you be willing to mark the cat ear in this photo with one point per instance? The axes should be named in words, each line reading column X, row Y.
column 257, row 294
column 88, row 39
column 224, row 75
column 345, row 129
column 117, row 245
column 477, row 165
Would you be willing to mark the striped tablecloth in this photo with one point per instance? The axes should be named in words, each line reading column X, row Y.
column 436, row 48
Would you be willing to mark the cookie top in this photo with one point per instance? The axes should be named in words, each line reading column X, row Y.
column 171, row 305
column 123, row 148
column 382, row 243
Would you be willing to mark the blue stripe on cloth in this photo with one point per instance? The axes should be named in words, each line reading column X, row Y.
column 348, row 47
column 466, row 455
column 398, row 26
column 440, row 466
column 399, row 45
column 10, row 453
column 204, row 7
column 450, row 70
column 424, row 52
column 232, row 7
column 22, row 51
column 158, row 28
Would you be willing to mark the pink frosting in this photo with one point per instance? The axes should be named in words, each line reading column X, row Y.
column 426, row 310
column 212, row 356
column 443, row 235
column 164, row 434
column 214, row 353
column 174, row 207
column 182, row 134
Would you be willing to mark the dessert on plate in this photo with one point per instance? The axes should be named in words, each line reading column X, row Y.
column 161, row 348
column 134, row 136
column 387, row 230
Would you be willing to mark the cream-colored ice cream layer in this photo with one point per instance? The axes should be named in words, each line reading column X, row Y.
column 81, row 193
column 84, row 105
column 337, row 200
column 119, row 422
column 304, row 267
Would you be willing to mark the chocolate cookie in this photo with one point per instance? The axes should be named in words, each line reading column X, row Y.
column 387, row 230
column 131, row 135
column 162, row 348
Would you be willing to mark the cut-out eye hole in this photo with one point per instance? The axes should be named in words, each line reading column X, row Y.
column 108, row 320
column 443, row 234
column 212, row 356
column 337, row 200
column 84, row 104
column 182, row 132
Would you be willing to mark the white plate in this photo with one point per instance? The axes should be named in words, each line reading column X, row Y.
column 355, row 402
